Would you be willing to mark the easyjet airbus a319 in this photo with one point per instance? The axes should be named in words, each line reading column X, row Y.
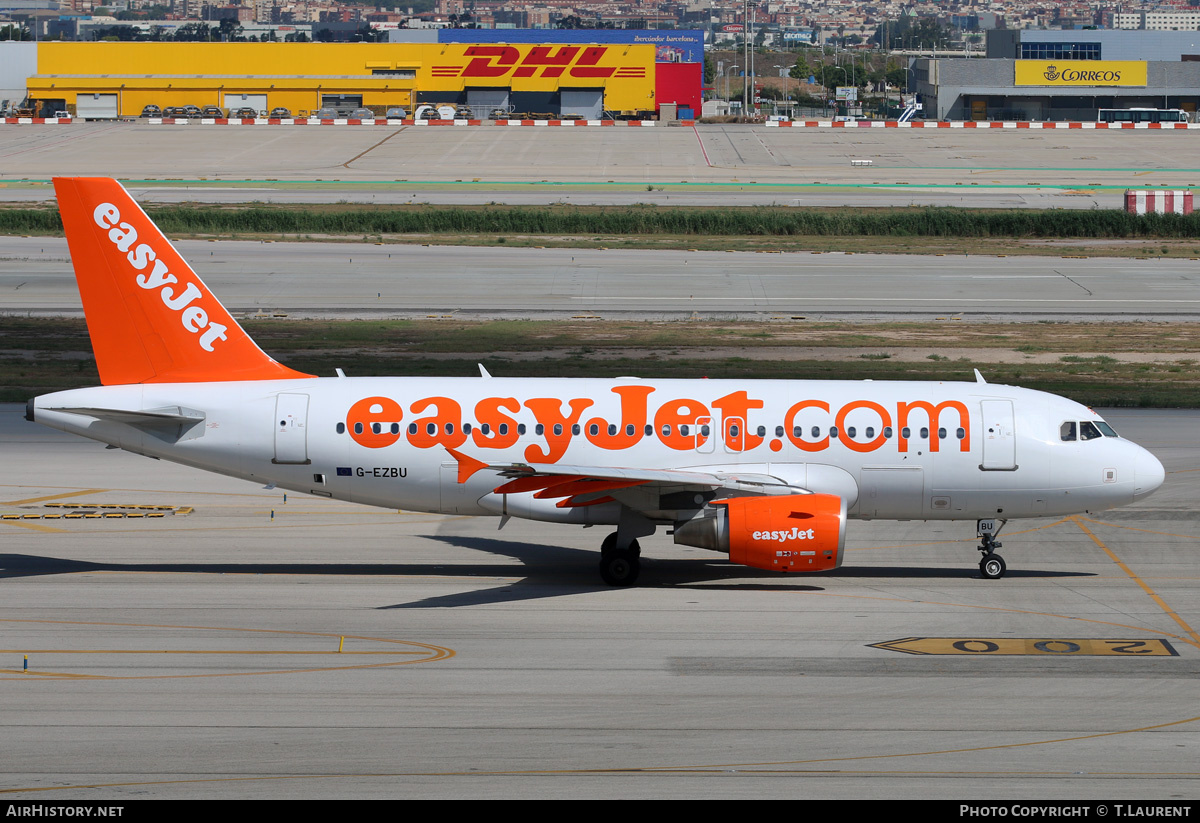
column 767, row 472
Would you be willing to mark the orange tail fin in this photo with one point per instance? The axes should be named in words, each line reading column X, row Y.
column 151, row 319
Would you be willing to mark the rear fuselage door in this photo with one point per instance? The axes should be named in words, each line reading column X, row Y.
column 291, row 428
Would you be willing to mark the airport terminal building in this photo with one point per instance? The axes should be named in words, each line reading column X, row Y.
column 1063, row 75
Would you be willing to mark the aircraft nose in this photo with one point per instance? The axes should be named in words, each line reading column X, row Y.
column 1148, row 475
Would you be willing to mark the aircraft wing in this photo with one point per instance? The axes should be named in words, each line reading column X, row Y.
column 580, row 485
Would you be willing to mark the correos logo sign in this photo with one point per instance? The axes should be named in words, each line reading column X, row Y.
column 1080, row 73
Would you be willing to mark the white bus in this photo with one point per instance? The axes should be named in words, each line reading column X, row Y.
column 1142, row 116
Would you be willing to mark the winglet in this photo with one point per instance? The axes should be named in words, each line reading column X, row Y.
column 151, row 319
column 467, row 465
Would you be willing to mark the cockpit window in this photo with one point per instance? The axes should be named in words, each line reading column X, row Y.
column 1067, row 431
column 1107, row 429
column 1087, row 431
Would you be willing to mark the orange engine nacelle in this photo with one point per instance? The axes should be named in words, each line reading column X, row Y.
column 787, row 533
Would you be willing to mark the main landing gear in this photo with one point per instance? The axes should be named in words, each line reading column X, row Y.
column 620, row 555
column 991, row 567
column 620, row 567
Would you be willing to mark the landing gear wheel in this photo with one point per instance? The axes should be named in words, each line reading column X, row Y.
column 619, row 567
column 992, row 567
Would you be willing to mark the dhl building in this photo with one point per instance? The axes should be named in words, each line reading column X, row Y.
column 118, row 79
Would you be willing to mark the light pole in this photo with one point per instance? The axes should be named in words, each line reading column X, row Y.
column 745, row 54
column 842, row 69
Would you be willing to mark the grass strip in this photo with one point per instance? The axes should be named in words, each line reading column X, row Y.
column 647, row 220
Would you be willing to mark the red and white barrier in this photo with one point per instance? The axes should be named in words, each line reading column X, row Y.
column 380, row 121
column 36, row 121
column 1158, row 202
column 970, row 124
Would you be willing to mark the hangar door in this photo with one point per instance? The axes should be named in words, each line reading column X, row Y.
column 96, row 106
column 233, row 102
column 586, row 103
column 485, row 101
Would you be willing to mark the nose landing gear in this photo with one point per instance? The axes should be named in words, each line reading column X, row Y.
column 991, row 566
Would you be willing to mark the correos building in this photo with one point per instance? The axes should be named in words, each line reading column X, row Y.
column 1064, row 75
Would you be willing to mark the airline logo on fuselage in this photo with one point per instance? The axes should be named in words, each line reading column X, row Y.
column 680, row 423
column 181, row 299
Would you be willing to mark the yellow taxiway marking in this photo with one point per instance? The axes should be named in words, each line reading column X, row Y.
column 1162, row 604
column 25, row 524
column 407, row 652
column 52, row 497
column 201, row 651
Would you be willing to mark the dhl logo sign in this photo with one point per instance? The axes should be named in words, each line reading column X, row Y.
column 679, row 423
column 580, row 62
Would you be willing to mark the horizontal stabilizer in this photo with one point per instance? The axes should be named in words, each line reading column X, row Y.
column 170, row 423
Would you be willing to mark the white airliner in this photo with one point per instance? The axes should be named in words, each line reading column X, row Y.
column 765, row 471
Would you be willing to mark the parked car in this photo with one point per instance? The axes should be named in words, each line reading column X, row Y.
column 191, row 111
column 397, row 114
column 245, row 111
column 325, row 114
column 151, row 111
column 464, row 113
column 212, row 111
column 174, row 111
column 362, row 114
column 281, row 112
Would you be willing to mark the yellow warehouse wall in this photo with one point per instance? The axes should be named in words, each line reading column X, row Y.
column 296, row 75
